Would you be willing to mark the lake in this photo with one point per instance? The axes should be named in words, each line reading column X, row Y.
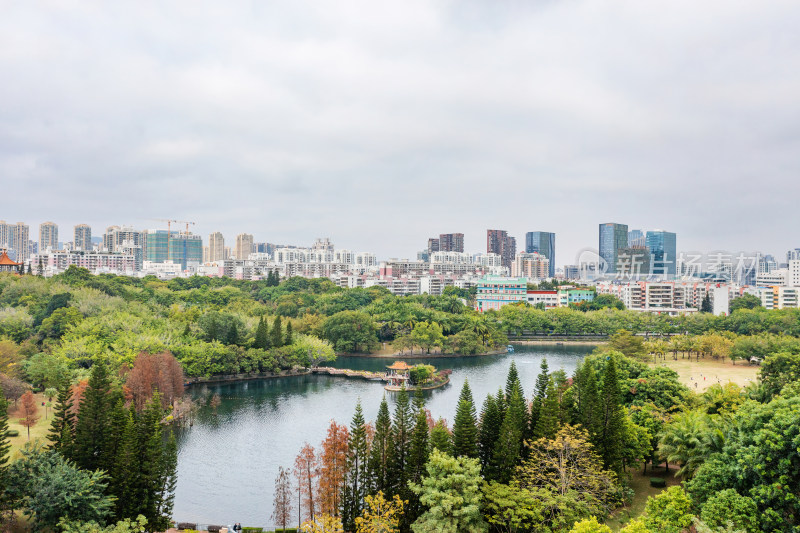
column 229, row 458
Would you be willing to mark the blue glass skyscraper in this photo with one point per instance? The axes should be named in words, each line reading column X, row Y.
column 663, row 252
column 613, row 236
column 544, row 243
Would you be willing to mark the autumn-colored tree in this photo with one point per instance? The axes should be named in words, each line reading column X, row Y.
column 306, row 471
column 380, row 515
column 333, row 467
column 150, row 372
column 324, row 523
column 567, row 466
column 283, row 498
column 13, row 388
column 30, row 414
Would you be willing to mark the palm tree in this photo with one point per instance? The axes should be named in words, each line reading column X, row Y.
column 687, row 441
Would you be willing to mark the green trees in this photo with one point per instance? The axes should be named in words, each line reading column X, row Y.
column 510, row 509
column 669, row 512
column 488, row 433
column 778, row 370
column 382, row 451
column 745, row 301
column 684, row 441
column 357, row 482
column 49, row 488
column 262, row 337
column 351, row 331
column 728, row 508
column 451, row 492
column 610, row 437
column 61, row 434
column 465, row 425
column 94, row 424
column 5, row 446
column 508, row 446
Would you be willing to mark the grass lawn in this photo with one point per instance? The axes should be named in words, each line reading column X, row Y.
column 699, row 375
column 642, row 490
column 38, row 431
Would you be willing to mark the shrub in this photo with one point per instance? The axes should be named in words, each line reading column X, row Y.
column 214, row 529
column 658, row 482
column 12, row 433
column 253, row 529
column 185, row 525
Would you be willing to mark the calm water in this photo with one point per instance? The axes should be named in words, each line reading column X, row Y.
column 228, row 460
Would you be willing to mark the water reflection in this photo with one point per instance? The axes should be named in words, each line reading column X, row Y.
column 229, row 458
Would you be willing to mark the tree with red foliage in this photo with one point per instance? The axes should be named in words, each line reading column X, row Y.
column 333, row 467
column 306, row 471
column 155, row 371
column 30, row 414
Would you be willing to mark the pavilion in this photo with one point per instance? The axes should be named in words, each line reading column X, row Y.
column 398, row 373
column 6, row 264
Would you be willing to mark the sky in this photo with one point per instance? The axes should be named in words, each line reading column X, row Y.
column 379, row 124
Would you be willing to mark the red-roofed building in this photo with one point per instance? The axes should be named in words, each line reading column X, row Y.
column 6, row 264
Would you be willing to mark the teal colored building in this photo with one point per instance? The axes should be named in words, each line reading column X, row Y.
column 493, row 292
column 183, row 248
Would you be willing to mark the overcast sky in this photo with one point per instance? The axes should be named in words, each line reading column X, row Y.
column 380, row 124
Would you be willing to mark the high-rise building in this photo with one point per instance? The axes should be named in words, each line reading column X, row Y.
column 244, row 246
column 530, row 265
column 613, row 237
column 543, row 243
column 791, row 255
column 433, row 246
column 216, row 247
column 83, row 238
column 6, row 235
column 48, row 236
column 633, row 262
column 179, row 247
column 125, row 240
column 663, row 251
column 498, row 242
column 636, row 239
column 451, row 242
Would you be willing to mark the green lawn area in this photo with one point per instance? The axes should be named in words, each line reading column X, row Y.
column 642, row 490
column 39, row 431
column 708, row 371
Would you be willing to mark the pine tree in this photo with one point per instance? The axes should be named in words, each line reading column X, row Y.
column 381, row 451
column 126, row 468
column 40, row 268
column 167, row 481
column 357, row 482
column 62, row 427
column 5, row 447
column 441, row 439
column 547, row 425
column 587, row 411
column 94, row 419
column 613, row 420
column 30, row 270
column 277, row 332
column 508, row 448
column 289, row 337
column 705, row 306
column 513, row 383
column 402, row 426
column 465, row 425
column 488, row 433
column 539, row 394
column 418, row 457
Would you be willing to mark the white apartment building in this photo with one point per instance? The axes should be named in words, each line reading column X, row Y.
column 530, row 265
column 58, row 261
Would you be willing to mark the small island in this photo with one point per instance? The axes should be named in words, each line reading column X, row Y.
column 425, row 377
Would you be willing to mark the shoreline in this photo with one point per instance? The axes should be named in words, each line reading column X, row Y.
column 418, row 356
column 231, row 378
column 587, row 342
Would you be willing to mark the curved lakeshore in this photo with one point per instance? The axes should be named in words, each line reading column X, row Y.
column 395, row 388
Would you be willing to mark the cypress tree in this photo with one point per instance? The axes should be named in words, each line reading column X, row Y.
column 357, row 481
column 508, row 448
column 262, row 334
column 465, row 425
column 213, row 330
column 440, row 438
column 232, row 338
column 30, row 270
column 402, row 426
column 381, row 451
column 62, row 427
column 613, row 420
column 116, row 428
column 277, row 333
column 488, row 433
column 547, row 425
column 289, row 336
column 167, row 481
column 94, row 419
column 40, row 269
column 5, row 446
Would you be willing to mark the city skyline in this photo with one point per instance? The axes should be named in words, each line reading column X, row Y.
column 296, row 122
